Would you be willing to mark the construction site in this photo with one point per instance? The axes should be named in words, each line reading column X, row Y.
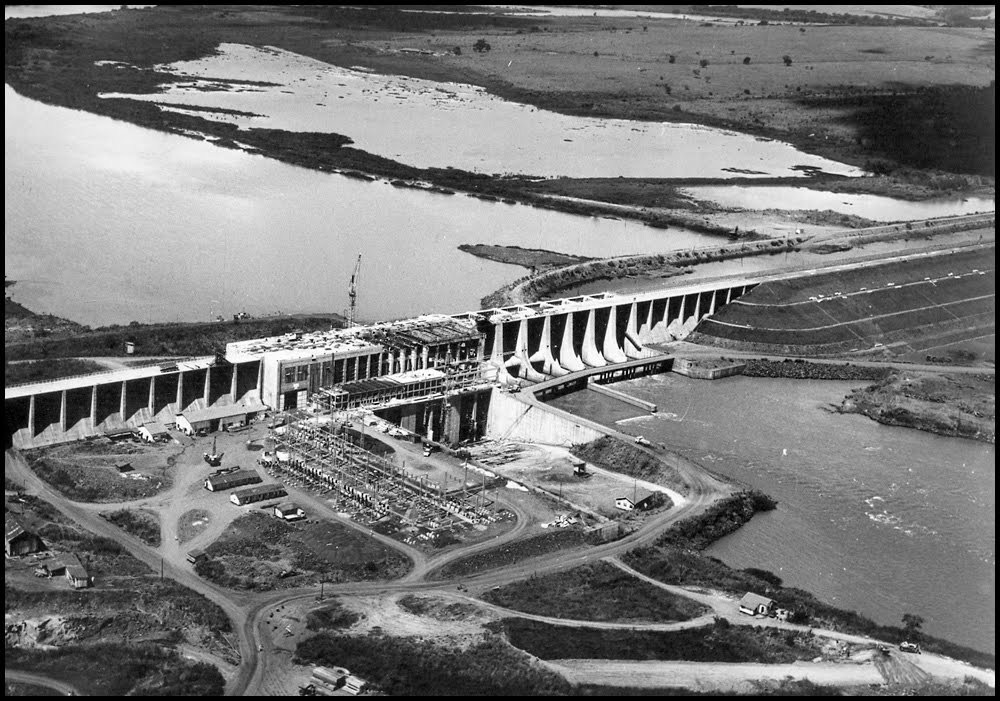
column 425, row 503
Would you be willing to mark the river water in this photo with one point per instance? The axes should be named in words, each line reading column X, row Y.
column 877, row 519
column 430, row 124
column 106, row 222
column 875, row 207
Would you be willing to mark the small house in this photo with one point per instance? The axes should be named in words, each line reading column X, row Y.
column 153, row 432
column 289, row 512
column 197, row 555
column 756, row 605
column 641, row 499
column 17, row 540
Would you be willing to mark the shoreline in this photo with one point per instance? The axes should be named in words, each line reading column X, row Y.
column 71, row 79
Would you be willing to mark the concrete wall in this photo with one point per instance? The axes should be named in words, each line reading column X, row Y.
column 511, row 419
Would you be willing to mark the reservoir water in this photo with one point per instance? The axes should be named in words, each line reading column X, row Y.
column 875, row 207
column 106, row 222
column 877, row 519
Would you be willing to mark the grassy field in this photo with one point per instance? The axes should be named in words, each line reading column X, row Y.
column 143, row 524
column 87, row 472
column 407, row 667
column 257, row 548
column 594, row 592
column 41, row 370
column 721, row 642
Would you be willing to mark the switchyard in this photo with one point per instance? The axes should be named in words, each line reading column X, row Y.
column 323, row 457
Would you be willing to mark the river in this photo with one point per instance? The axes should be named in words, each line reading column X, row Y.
column 877, row 519
column 107, row 222
column 431, row 124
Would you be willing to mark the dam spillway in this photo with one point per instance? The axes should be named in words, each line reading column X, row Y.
column 378, row 365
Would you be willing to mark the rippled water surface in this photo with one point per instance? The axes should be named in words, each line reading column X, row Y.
column 882, row 520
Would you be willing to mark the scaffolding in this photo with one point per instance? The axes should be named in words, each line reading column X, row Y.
column 322, row 457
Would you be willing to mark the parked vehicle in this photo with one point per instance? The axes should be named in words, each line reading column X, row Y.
column 909, row 647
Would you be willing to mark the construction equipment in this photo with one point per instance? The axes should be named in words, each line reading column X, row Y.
column 352, row 294
column 214, row 458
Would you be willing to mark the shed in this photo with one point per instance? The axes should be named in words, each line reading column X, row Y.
column 218, row 418
column 74, row 571
column 641, row 499
column 337, row 681
column 153, row 431
column 123, row 466
column 755, row 605
column 258, row 492
column 289, row 512
column 118, row 433
column 219, row 482
column 195, row 556
column 17, row 540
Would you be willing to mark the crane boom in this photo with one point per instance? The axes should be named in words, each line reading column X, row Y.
column 352, row 293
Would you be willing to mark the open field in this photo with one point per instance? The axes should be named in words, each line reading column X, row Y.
column 87, row 472
column 260, row 552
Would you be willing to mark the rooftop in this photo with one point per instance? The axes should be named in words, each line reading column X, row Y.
column 221, row 412
column 424, row 330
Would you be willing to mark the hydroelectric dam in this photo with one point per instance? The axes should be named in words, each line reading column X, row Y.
column 436, row 375
column 433, row 375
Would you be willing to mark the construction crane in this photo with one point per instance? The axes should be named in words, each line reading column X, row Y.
column 352, row 294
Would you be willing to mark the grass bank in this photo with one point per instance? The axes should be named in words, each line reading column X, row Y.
column 121, row 670
column 720, row 642
column 511, row 553
column 594, row 592
column 627, row 459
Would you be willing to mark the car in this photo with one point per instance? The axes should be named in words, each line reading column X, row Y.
column 909, row 647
